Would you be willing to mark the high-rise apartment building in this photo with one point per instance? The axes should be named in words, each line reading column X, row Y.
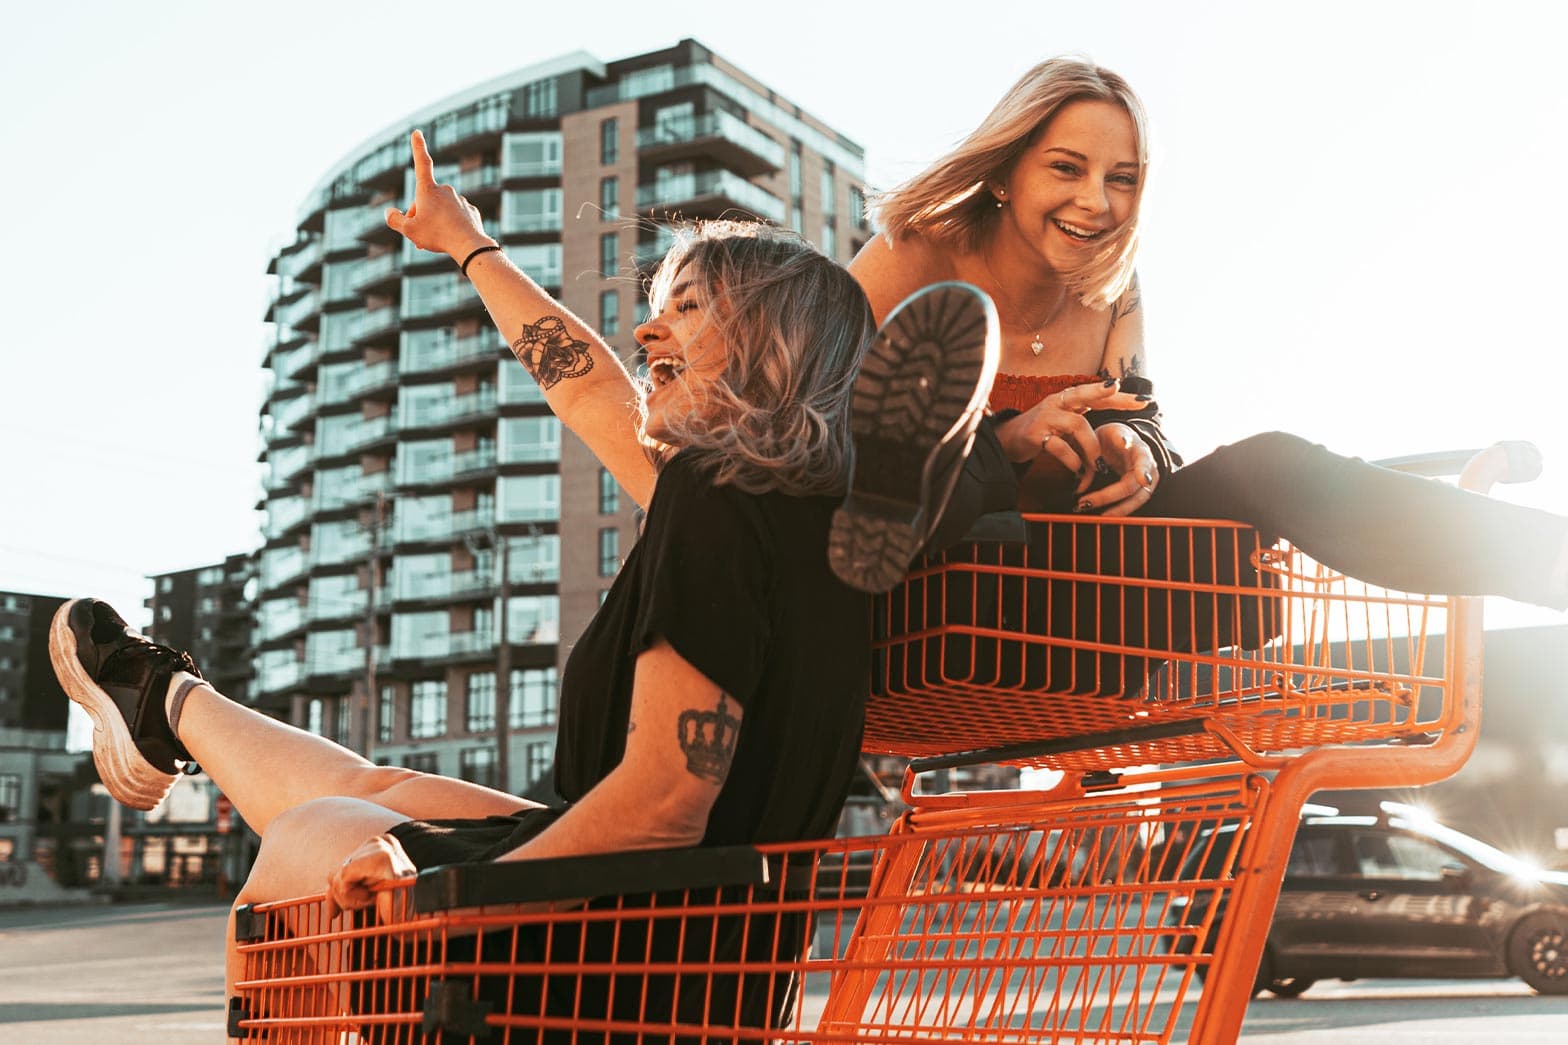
column 408, row 455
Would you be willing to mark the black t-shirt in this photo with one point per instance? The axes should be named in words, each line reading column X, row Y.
column 739, row 586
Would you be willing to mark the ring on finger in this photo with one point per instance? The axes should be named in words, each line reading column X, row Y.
column 1046, row 439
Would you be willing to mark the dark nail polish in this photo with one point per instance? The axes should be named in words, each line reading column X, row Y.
column 1110, row 382
column 1101, row 467
column 1145, row 399
column 1084, row 506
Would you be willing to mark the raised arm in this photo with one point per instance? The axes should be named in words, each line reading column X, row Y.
column 582, row 379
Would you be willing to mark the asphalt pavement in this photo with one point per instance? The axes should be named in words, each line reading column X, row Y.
column 152, row 974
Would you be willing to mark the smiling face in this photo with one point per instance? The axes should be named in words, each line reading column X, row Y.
column 686, row 355
column 1074, row 184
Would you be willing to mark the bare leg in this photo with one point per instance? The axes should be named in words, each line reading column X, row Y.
column 267, row 767
column 302, row 847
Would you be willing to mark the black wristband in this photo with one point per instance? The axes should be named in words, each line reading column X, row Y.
column 463, row 268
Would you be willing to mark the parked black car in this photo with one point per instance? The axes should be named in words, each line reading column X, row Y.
column 1399, row 895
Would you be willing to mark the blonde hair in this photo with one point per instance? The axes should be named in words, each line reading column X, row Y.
column 795, row 324
column 948, row 202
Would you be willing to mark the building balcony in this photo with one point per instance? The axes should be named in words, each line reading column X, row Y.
column 378, row 274
column 452, row 527
column 296, row 363
column 301, row 261
column 348, row 549
column 302, row 313
column 717, row 135
column 444, row 587
column 377, row 326
column 274, row 677
column 272, row 626
column 458, row 410
column 476, row 128
column 282, row 567
column 364, row 383
column 462, row 467
column 432, row 357
column 710, row 194
column 283, row 514
column 444, row 645
column 478, row 184
column 447, row 301
column 287, row 337
column 334, row 662
column 362, row 434
column 294, row 412
column 327, row 497
column 339, row 606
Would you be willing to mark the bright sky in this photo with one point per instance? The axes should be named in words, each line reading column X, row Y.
column 1352, row 231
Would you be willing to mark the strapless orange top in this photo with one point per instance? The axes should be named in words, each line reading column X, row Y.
column 1022, row 391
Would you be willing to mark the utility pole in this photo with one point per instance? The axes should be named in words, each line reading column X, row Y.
column 369, row 710
column 503, row 668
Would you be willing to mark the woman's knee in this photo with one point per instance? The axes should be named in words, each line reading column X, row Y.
column 1266, row 450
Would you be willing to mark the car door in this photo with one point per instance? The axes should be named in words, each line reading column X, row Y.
column 1414, row 914
column 1315, row 932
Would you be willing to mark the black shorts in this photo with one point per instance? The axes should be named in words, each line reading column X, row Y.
column 431, row 843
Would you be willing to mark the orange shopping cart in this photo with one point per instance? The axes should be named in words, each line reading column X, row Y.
column 1184, row 688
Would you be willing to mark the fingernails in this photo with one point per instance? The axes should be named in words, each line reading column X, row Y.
column 1084, row 506
column 1110, row 382
column 1144, row 398
column 1101, row 467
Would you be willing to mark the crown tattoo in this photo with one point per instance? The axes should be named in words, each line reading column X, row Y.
column 708, row 738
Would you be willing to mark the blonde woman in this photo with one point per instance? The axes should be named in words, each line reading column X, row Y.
column 1038, row 207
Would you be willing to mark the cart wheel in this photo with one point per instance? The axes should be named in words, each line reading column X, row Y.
column 1538, row 951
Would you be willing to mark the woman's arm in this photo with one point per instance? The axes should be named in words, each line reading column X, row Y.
column 1131, row 440
column 679, row 744
column 889, row 273
column 582, row 380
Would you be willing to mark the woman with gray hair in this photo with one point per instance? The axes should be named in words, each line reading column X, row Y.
column 717, row 696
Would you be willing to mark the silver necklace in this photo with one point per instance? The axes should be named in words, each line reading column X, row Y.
column 1036, row 343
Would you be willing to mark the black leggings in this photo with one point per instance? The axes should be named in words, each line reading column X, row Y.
column 1380, row 526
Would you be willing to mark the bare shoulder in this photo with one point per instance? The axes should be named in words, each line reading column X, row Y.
column 889, row 271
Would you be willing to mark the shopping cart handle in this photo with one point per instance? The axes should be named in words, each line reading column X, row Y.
column 1509, row 461
column 580, row 877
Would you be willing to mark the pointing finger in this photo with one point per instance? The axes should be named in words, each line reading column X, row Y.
column 424, row 175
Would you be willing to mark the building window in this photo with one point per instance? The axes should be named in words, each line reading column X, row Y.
column 604, row 593
column 610, row 254
column 477, row 765
column 857, row 206
column 539, row 99
column 386, row 714
column 609, row 493
column 536, row 761
column 313, row 717
column 427, row 709
column 609, row 551
column 345, row 719
column 533, row 698
column 609, row 313
column 10, row 797
column 609, row 140
column 609, row 198
column 479, row 706
column 423, row 761
column 829, row 201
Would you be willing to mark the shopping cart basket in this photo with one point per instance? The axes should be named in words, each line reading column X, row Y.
column 1057, row 914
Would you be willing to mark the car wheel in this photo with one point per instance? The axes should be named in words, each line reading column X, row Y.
column 1538, row 951
column 1282, row 986
column 1290, row 986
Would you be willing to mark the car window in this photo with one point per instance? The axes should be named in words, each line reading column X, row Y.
column 1400, row 856
column 1316, row 855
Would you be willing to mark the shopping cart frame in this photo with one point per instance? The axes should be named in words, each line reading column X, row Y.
column 949, row 852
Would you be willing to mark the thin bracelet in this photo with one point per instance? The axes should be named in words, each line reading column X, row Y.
column 475, row 253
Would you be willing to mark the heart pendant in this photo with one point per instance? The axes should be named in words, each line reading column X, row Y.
column 1037, row 346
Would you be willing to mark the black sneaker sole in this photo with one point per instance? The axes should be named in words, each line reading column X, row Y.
column 921, row 391
column 130, row 779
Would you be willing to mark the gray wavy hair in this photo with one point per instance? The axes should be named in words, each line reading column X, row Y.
column 796, row 325
column 949, row 201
